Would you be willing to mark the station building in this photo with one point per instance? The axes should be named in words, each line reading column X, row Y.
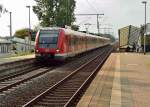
column 128, row 38
column 5, row 46
column 131, row 38
column 8, row 45
column 22, row 45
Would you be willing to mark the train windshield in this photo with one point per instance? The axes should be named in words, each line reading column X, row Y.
column 48, row 38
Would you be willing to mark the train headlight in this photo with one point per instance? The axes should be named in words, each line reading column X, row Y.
column 37, row 50
column 57, row 50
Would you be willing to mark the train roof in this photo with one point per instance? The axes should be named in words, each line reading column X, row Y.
column 72, row 32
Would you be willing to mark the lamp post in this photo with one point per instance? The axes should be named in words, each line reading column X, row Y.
column 29, row 28
column 10, row 13
column 10, row 29
column 145, row 2
column 87, row 25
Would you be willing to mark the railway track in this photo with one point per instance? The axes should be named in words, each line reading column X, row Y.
column 16, row 67
column 15, row 63
column 24, row 70
column 65, row 92
column 9, row 83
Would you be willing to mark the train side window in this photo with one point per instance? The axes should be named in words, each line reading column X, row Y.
column 75, row 40
column 80, row 40
column 69, row 40
column 72, row 41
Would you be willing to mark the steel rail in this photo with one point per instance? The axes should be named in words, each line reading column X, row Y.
column 38, row 98
column 87, row 81
column 17, row 82
column 14, row 65
column 19, row 73
column 14, row 62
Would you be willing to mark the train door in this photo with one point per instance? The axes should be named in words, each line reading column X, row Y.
column 76, row 44
column 72, row 44
column 86, row 43
column 67, row 45
column 82, row 44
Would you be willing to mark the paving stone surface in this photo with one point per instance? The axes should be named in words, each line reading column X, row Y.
column 123, row 81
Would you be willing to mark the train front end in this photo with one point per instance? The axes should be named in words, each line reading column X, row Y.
column 48, row 45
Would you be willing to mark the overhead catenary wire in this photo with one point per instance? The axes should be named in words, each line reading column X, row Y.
column 84, row 21
column 93, row 14
column 92, row 6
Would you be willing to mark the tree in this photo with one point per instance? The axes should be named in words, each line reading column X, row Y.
column 22, row 33
column 55, row 12
column 2, row 9
column 36, row 27
column 75, row 27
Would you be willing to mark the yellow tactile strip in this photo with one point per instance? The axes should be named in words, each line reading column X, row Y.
column 116, row 90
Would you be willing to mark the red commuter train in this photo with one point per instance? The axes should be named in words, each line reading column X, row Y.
column 61, row 43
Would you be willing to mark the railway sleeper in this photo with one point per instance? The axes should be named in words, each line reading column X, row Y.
column 6, row 92
column 75, row 81
column 59, row 95
column 70, row 84
column 74, row 84
column 42, row 104
column 66, row 86
column 7, row 83
column 79, row 77
column 63, row 93
column 2, row 94
column 4, row 82
column 11, row 81
column 54, row 100
column 55, row 97
column 59, row 92
column 11, row 89
column 64, row 90
column 73, row 87
column 2, row 85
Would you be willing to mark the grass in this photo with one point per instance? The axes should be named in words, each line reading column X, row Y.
column 22, row 54
column 18, row 54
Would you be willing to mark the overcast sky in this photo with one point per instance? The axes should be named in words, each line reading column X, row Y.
column 117, row 14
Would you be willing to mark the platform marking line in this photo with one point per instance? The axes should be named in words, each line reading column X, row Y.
column 116, row 90
column 132, row 64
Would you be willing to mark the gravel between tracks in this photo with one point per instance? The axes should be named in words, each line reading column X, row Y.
column 27, row 91
column 15, row 67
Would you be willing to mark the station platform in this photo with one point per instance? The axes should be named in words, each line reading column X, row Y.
column 123, row 81
column 17, row 58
